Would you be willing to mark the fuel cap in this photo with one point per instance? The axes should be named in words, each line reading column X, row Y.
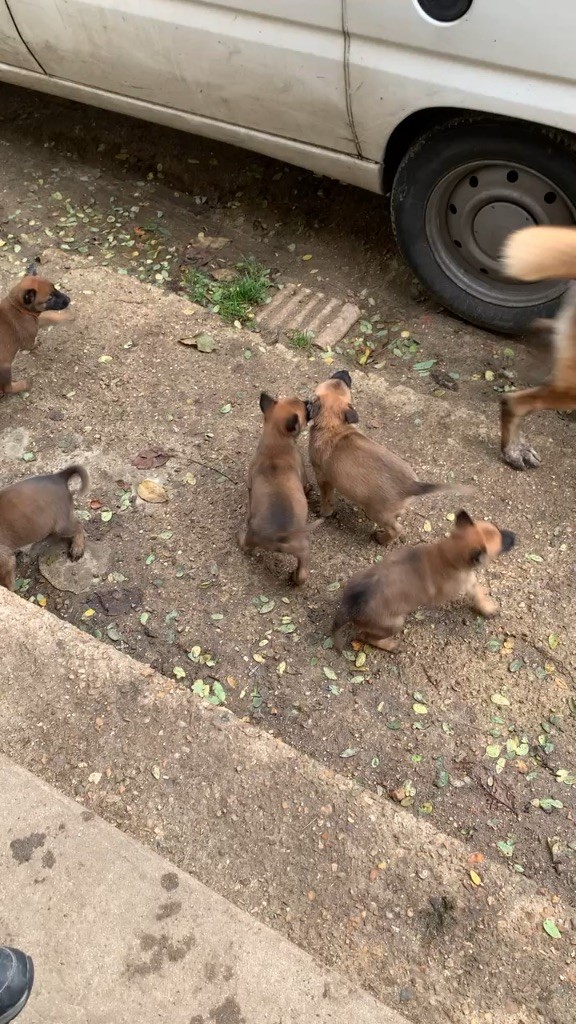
column 445, row 10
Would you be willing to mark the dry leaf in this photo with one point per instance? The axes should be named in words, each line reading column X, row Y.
column 152, row 492
column 476, row 880
column 149, row 458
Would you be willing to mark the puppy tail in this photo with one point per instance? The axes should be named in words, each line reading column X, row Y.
column 75, row 470
column 540, row 253
column 420, row 489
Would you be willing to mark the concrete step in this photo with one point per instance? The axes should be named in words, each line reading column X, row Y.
column 366, row 888
column 118, row 934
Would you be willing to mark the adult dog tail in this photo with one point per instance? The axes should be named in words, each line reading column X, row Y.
column 75, row 470
column 540, row 253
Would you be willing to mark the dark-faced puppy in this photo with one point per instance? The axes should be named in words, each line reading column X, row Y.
column 277, row 486
column 377, row 601
column 364, row 472
column 33, row 510
column 32, row 303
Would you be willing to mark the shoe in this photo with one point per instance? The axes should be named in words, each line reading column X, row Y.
column 16, row 980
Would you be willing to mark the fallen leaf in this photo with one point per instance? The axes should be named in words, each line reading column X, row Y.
column 152, row 492
column 225, row 409
column 281, row 668
column 308, row 256
column 224, row 274
column 213, row 242
column 106, row 515
column 150, row 458
column 105, row 359
column 553, row 641
column 179, row 672
column 329, row 672
column 360, row 660
column 419, row 709
column 349, row 752
column 95, row 777
column 551, row 928
column 155, row 771
column 475, row 878
column 113, row 632
column 426, row 365
column 534, row 558
column 427, row 527
column 190, row 479
column 489, row 375
column 29, row 456
column 506, row 847
column 494, row 750
column 476, row 858
column 88, row 613
column 500, row 700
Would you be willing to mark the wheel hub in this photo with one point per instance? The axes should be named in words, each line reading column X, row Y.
column 470, row 214
column 492, row 225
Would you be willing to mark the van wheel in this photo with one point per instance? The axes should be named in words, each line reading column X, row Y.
column 459, row 192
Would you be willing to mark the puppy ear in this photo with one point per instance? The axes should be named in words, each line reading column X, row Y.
column 351, row 416
column 266, row 401
column 32, row 270
column 293, row 423
column 29, row 296
column 342, row 375
column 463, row 519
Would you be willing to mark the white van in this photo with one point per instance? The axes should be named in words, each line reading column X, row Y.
column 463, row 110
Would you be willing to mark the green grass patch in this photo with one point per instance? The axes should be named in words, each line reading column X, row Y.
column 233, row 300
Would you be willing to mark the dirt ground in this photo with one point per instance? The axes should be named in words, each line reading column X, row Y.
column 472, row 725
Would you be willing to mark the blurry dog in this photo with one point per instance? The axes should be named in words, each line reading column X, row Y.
column 377, row 601
column 32, row 303
column 535, row 254
column 364, row 472
column 277, row 486
column 33, row 510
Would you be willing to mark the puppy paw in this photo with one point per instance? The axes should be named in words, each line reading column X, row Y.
column 326, row 511
column 390, row 644
column 299, row 577
column 521, row 456
column 489, row 608
column 76, row 551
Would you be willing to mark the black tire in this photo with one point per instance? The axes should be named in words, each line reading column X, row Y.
column 423, row 227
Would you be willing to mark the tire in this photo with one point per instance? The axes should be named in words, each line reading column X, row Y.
column 459, row 191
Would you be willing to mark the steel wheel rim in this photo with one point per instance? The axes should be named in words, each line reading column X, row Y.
column 472, row 210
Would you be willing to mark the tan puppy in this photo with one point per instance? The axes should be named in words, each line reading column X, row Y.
column 32, row 303
column 535, row 254
column 378, row 600
column 33, row 510
column 364, row 472
column 277, row 486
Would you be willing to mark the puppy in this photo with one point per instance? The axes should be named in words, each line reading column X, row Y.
column 277, row 486
column 34, row 509
column 535, row 254
column 32, row 303
column 363, row 471
column 378, row 600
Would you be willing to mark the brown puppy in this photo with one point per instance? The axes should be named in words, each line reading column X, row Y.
column 535, row 254
column 277, row 486
column 378, row 600
column 34, row 509
column 32, row 303
column 364, row 472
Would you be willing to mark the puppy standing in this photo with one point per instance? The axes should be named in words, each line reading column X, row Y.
column 33, row 510
column 378, row 600
column 364, row 472
column 536, row 254
column 277, row 486
column 32, row 303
